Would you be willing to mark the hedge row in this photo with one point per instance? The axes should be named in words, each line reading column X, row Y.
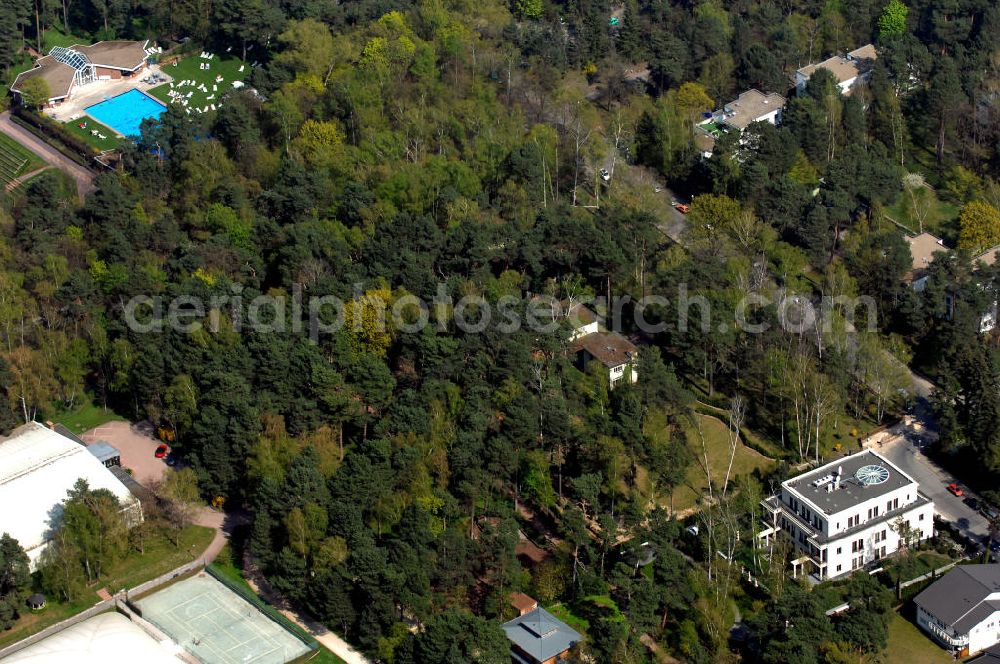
column 55, row 135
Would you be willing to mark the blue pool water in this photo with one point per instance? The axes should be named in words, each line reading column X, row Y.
column 126, row 112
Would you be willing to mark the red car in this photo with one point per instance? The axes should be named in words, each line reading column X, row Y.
column 955, row 489
column 161, row 451
column 682, row 208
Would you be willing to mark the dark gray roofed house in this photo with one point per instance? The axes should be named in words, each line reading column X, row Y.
column 961, row 610
column 538, row 637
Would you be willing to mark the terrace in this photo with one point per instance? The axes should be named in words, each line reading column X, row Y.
column 198, row 83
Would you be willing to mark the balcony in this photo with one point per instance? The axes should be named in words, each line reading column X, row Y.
column 946, row 637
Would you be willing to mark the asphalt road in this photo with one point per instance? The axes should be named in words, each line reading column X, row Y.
column 907, row 453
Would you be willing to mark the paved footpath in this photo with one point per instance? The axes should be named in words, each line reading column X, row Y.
column 320, row 632
column 84, row 178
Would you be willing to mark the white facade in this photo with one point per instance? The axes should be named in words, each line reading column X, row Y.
column 37, row 467
column 976, row 639
column 838, row 523
column 622, row 372
column 961, row 610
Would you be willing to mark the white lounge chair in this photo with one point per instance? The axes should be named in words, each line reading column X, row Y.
column 241, row 68
column 213, row 106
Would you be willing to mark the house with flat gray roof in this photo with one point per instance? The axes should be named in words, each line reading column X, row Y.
column 961, row 610
column 538, row 637
column 847, row 515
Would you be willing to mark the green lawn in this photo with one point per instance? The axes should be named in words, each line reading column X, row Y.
column 563, row 613
column 110, row 140
column 83, row 417
column 938, row 221
column 56, row 37
column 187, row 69
column 908, row 645
column 15, row 159
column 717, row 442
column 159, row 558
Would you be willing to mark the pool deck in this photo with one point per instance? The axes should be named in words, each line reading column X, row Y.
column 88, row 95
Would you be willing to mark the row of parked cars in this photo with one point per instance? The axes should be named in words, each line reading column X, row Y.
column 986, row 510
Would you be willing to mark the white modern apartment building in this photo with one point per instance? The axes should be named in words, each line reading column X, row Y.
column 844, row 515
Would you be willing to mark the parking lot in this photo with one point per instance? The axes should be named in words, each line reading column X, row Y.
column 906, row 452
column 137, row 445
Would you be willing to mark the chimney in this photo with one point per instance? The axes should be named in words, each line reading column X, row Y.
column 836, row 478
column 50, row 424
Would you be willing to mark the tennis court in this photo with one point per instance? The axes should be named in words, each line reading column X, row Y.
column 217, row 626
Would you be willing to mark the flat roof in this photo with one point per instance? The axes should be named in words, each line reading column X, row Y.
column 103, row 450
column 750, row 107
column 57, row 75
column 117, row 54
column 989, row 256
column 845, row 67
column 852, row 491
column 923, row 248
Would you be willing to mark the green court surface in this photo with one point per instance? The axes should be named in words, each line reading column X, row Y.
column 218, row 626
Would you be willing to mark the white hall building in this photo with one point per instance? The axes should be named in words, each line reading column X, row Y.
column 844, row 515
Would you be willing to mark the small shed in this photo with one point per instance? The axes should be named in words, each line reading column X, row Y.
column 106, row 453
column 36, row 601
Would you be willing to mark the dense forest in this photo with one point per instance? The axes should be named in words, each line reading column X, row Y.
column 384, row 150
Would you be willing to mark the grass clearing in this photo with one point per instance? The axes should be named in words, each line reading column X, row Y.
column 160, row 557
column 716, row 437
column 188, row 69
column 110, row 140
column 908, row 645
column 939, row 219
column 84, row 416
column 16, row 160
column 56, row 37
column 563, row 613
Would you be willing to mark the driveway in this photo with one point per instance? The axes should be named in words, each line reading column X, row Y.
column 906, row 452
column 136, row 444
column 84, row 178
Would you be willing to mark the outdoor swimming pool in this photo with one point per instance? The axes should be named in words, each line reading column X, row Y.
column 126, row 112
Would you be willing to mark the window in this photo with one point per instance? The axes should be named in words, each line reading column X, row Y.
column 888, row 506
column 884, row 531
column 920, row 518
column 876, row 510
column 895, row 503
column 869, row 513
column 838, row 549
column 838, row 567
